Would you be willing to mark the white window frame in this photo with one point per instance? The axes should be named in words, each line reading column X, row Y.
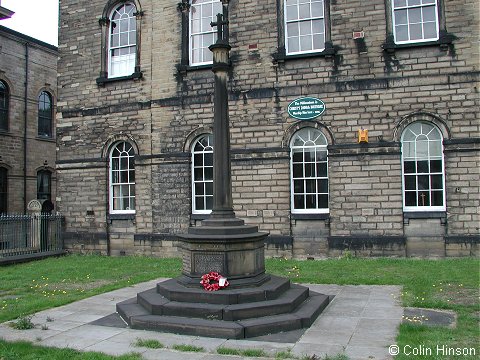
column 206, row 150
column 407, row 7
column 129, row 59
column 428, row 158
column 131, row 184
column 289, row 3
column 322, row 147
column 200, row 6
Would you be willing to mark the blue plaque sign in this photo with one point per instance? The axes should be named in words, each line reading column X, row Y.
column 306, row 108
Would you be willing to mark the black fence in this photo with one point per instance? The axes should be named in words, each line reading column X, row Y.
column 30, row 236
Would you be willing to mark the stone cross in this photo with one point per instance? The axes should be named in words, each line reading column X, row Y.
column 220, row 23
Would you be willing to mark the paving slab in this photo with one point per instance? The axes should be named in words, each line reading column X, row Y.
column 361, row 322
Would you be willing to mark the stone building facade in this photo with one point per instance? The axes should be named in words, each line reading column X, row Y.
column 28, row 93
column 135, row 114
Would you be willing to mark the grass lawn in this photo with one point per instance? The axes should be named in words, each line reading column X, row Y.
column 443, row 284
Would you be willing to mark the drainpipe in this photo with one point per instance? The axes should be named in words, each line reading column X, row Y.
column 25, row 133
column 107, row 218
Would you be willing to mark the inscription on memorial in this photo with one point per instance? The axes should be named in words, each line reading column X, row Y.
column 204, row 263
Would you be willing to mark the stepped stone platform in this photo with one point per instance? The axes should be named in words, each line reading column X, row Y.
column 274, row 305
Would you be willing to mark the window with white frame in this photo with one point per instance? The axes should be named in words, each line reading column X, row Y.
column 202, row 175
column 122, row 178
column 202, row 35
column 304, row 26
column 309, row 171
column 422, row 166
column 415, row 21
column 122, row 44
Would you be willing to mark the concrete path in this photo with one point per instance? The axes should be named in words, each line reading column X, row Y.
column 361, row 322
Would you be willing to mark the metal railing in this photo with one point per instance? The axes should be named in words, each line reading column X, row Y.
column 30, row 234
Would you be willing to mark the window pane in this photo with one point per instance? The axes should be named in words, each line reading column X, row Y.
column 292, row 29
column 436, row 182
column 429, row 13
column 297, row 170
column 322, row 186
column 409, row 167
column 423, row 182
column 299, row 202
column 415, row 15
column 422, row 167
column 209, row 202
column 304, row 11
column 208, row 173
column 422, row 149
column 430, row 30
column 401, row 33
column 322, row 169
column 199, row 189
column 305, row 28
column 209, row 188
column 437, row 198
column 317, row 9
column 400, row 17
column 298, row 186
column 310, row 201
column 410, row 198
column 323, row 201
column 292, row 13
column 436, row 166
column 318, row 42
column 310, row 186
column 410, row 182
column 435, row 148
column 398, row 3
column 198, row 174
column 309, row 170
column 416, row 32
column 200, row 203
column 297, row 156
column 306, row 43
column 198, row 160
column 208, row 159
column 423, row 198
column 293, row 45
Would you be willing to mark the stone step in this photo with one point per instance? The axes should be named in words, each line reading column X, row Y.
column 173, row 290
column 287, row 302
column 305, row 314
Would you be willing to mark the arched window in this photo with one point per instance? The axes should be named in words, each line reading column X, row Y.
column 122, row 178
column 3, row 190
column 45, row 114
column 4, row 101
column 202, row 175
column 122, row 41
column 44, row 185
column 422, row 167
column 309, row 171
column 202, row 35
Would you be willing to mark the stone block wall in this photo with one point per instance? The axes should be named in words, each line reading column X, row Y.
column 27, row 67
column 363, row 85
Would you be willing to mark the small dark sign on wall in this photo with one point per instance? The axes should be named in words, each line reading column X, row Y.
column 306, row 108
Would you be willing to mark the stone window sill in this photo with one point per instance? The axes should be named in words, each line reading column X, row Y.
column 310, row 216
column 442, row 215
column 102, row 80
column 184, row 69
column 444, row 41
column 327, row 53
column 45, row 138
column 121, row 217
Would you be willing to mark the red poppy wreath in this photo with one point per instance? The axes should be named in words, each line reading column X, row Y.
column 213, row 281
